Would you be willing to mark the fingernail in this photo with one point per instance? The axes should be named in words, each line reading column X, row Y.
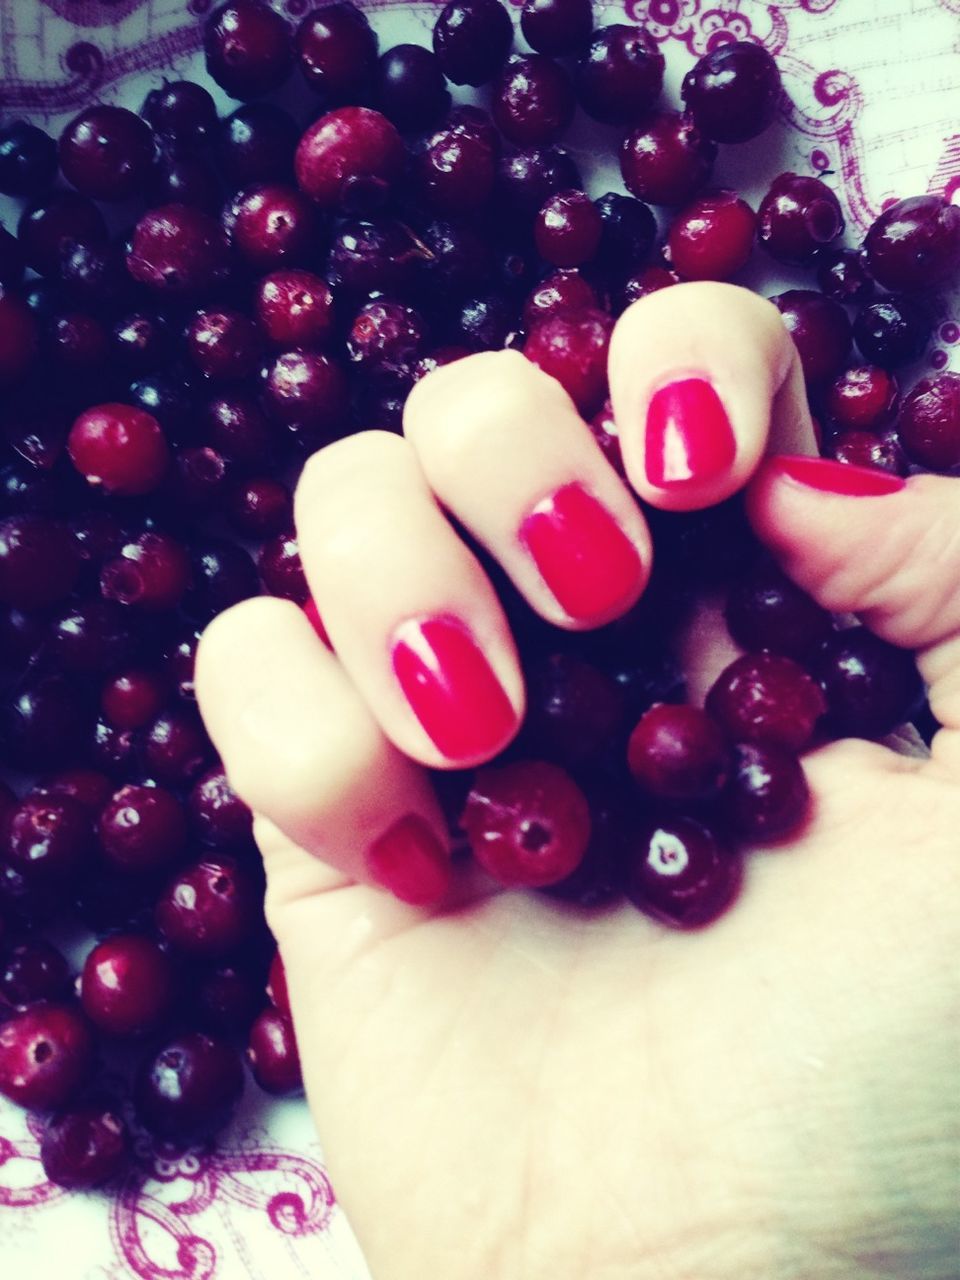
column 451, row 687
column 410, row 862
column 316, row 621
column 836, row 477
column 583, row 555
column 689, row 438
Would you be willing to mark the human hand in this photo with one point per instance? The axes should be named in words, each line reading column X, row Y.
column 504, row 1085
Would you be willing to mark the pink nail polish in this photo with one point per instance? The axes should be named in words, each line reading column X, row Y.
column 410, row 862
column 689, row 439
column 827, row 476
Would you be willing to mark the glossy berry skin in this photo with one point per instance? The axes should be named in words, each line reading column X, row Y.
column 564, row 290
column 679, row 872
column 306, row 387
column 337, row 51
column 350, row 159
column 767, row 797
column 914, row 244
column 256, row 143
column 677, row 752
column 151, row 573
column 119, row 447
column 178, row 251
column 820, row 330
column 272, row 226
column 568, row 229
column 711, row 238
column 223, row 575
column 132, row 698
column 842, row 274
column 665, row 160
column 224, row 344
column 141, row 341
column 766, row 610
column 620, row 76
column 574, row 709
column 277, row 986
column 533, row 100
column 629, row 231
column 798, row 216
column 248, row 47
column 295, row 309
column 184, row 177
column 43, row 723
column 175, row 747
column 372, row 256
column 410, row 88
column 106, row 152
column 91, row 636
column 39, row 561
column 142, row 829
column 127, row 985
column 182, row 111
column 386, row 339
column 237, row 427
column 259, row 507
column 572, row 347
column 48, row 839
column 871, row 687
column 87, row 787
column 769, row 699
column 559, row 28
column 19, row 339
column 208, row 908
column 881, row 450
column 281, row 568
column 892, row 331
column 228, row 999
column 471, row 39
column 85, row 1147
column 526, row 178
column 929, row 425
column 218, row 817
column 272, row 1053
column 864, row 397
column 28, row 160
column 51, row 225
column 46, row 1052
column 31, row 972
column 733, row 91
column 189, row 1088
column 528, row 823
column 455, row 170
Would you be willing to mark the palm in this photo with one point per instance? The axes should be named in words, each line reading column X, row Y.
column 593, row 1089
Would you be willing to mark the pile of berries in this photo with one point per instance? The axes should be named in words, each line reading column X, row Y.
column 278, row 284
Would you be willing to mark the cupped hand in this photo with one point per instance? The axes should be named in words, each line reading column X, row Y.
column 509, row 1087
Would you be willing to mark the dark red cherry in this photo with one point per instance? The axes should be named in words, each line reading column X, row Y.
column 557, row 27
column 878, row 449
column 272, row 1053
column 568, row 229
column 563, row 290
column 46, row 1052
column 471, row 39
column 281, row 568
column 337, row 51
column 88, row 787
column 842, row 274
column 679, row 872
column 176, row 747
column 152, row 573
column 48, row 840
column 915, row 244
column 248, row 47
column 767, row 698
column 259, row 507
column 678, row 752
column 39, row 561
column 574, row 709
column 85, row 1147
column 142, row 829
column 177, row 250
column 572, row 347
column 350, row 159
column 256, row 144
column 711, row 239
column 182, row 111
column 217, row 814
column 533, row 100
column 864, row 398
column 295, row 309
column 31, row 972
column 665, row 160
column 892, row 331
column 133, row 697
column 820, row 330
column 52, row 225
column 767, row 797
column 273, row 226
column 797, row 217
column 208, row 909
column 43, row 722
column 308, row 388
column 127, row 985
column 410, row 88
column 929, row 426
column 224, row 344
column 106, row 152
column 733, row 91
column 872, row 687
column 277, row 985
column 228, row 999
column 455, row 170
column 620, row 76
column 766, row 610
column 28, row 159
column 189, row 1088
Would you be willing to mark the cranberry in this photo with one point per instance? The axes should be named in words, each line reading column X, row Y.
column 337, row 51
column 257, row 143
column 39, row 561
column 892, row 331
column 711, row 238
column 572, row 347
column 485, row 322
column 272, row 226
column 182, row 111
column 599, row 879
column 177, row 250
column 621, row 74
column 350, row 159
column 528, row 823
column 46, row 1052
column 864, row 397
column 765, row 610
column 733, row 91
column 43, row 723
column 18, row 339
column 223, row 575
column 564, row 290
column 373, row 256
column 52, row 225
column 185, row 177
column 557, row 27
column 769, row 699
column 820, row 330
column 197, row 479
column 169, row 399
column 259, row 507
column 568, row 229
column 410, row 87
column 533, row 100
column 106, row 152
column 386, row 339
column 767, row 797
column 119, row 447
column 248, row 48
column 295, row 309
column 223, row 344
column 28, row 160
column 96, row 274
column 85, row 1147
column 180, row 659
column 88, row 787
column 190, row 1087
column 142, row 829
column 113, row 750
column 152, row 572
column 272, row 1053
column 91, row 637
column 872, row 687
column 574, row 709
column 277, row 985
column 680, row 873
column 176, row 747
column 132, row 698
column 678, row 753
column 929, row 426
column 218, row 815
column 797, row 216
column 127, row 987
column 842, row 274
column 666, row 160
column 628, row 233
column 914, row 244
column 306, row 387
column 141, row 341
column 239, row 429
column 880, row 450
column 455, row 170
column 282, row 570
column 228, row 999
column 208, row 908
column 471, row 39
column 525, row 179
column 31, row 972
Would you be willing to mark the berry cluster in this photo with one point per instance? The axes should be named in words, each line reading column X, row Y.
column 280, row 284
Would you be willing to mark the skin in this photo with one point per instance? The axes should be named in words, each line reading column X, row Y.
column 507, row 1087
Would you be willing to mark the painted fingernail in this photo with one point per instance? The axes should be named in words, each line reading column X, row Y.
column 835, row 477
column 451, row 687
column 583, row 555
column 688, row 437
column 410, row 862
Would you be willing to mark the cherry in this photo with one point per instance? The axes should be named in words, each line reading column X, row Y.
column 574, row 709
column 272, row 226
column 190, row 1087
column 929, row 426
column 797, row 217
column 119, row 447
column 557, row 27
column 182, row 111
column 31, row 972
column 769, row 699
column 350, row 159
column 256, row 144
column 337, row 51
column 197, row 479
column 217, row 814
column 306, row 387
column 28, row 160
column 238, row 428
column 184, row 177
column 46, row 1052
column 373, row 256
column 43, row 723
column 842, row 274
column 281, row 568
column 679, row 872
column 765, row 610
column 892, row 331
column 88, row 787
column 272, row 1053
column 568, row 229
column 711, row 239
column 52, row 225
column 572, row 347
column 228, row 999
column 767, row 797
column 152, row 573
column 224, row 344
column 533, row 100
column 526, row 178
column 106, row 152
column 620, row 75
column 39, row 561
column 471, row 39
column 176, row 747
column 678, row 753
column 90, row 637
column 85, row 1147
column 869, row 449
column 295, row 309
column 871, row 687
column 48, row 839
column 863, row 397
column 223, row 574
column 410, row 87
column 177, row 250
column 132, row 698
column 733, row 91
column 259, row 507
column 386, row 339
column 628, row 233
column 208, row 909
column 141, row 341
column 914, row 244
column 820, row 330
column 248, row 47
column 167, row 398
column 127, row 986
column 142, row 829
column 565, row 290
column 665, row 160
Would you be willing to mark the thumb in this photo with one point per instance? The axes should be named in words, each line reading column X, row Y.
column 864, row 542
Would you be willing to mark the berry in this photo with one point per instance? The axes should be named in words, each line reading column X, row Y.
column 767, row 797
column 46, row 1052
column 557, row 27
column 43, row 723
column 711, row 239
column 48, row 839
column 797, row 217
column 272, row 1053
column 914, row 244
column 574, row 709
column 410, row 87
column 177, row 250
column 572, row 347
column 533, row 100
column 568, row 229
column 665, row 160
column 565, row 290
column 621, row 74
column 259, row 507
column 189, row 1088
column 863, row 397
column 525, row 179
column 337, row 51
column 28, row 160
column 528, row 823
column 295, row 309
column 871, row 687
column 31, row 972
column 223, row 344
column 842, row 274
column 142, row 829
column 217, row 814
column 306, row 387
column 281, row 568
column 678, row 753
column 769, row 699
column 929, row 426
column 386, row 339
column 176, row 747
column 91, row 637
column 679, row 872
column 141, row 341
column 84, row 1147
column 132, row 698
column 733, row 91
column 820, row 330
column 119, row 447
column 350, row 159
column 257, row 144
column 51, row 226
column 765, row 610
column 152, row 573
column 272, row 226
column 126, row 988
column 869, row 449
column 39, row 561
column 228, row 999
column 182, row 111
column 223, row 575
column 455, row 169
column 248, row 48
column 208, row 908
column 892, row 331
column 471, row 39
column 628, row 233
column 106, row 152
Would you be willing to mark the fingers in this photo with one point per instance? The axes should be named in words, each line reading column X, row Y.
column 302, row 750
column 864, row 542
column 701, row 376
column 409, row 611
column 503, row 447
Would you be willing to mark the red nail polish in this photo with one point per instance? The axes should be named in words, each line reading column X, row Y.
column 410, row 862
column 688, row 438
column 583, row 555
column 828, row 476
column 451, row 687
column 315, row 620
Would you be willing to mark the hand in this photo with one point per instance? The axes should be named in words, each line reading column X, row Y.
column 509, row 1088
